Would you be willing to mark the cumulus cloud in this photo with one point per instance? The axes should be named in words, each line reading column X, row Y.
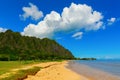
column 111, row 21
column 2, row 29
column 77, row 35
column 32, row 11
column 74, row 18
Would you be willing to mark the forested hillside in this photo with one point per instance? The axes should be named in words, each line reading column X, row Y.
column 13, row 46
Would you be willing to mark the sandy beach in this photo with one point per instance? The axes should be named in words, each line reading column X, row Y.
column 55, row 71
column 66, row 70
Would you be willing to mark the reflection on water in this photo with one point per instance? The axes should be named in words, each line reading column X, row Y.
column 98, row 69
column 111, row 66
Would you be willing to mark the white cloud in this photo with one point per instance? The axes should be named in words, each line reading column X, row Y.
column 45, row 28
column 77, row 35
column 32, row 12
column 74, row 18
column 81, row 16
column 2, row 29
column 111, row 21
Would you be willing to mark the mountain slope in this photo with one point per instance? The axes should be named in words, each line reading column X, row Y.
column 13, row 46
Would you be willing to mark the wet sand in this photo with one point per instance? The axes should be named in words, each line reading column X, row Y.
column 56, row 71
column 91, row 73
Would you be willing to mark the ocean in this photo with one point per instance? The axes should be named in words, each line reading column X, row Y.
column 97, row 69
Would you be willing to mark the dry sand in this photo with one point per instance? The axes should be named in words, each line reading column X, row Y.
column 55, row 71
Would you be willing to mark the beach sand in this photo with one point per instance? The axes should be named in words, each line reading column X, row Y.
column 67, row 70
column 55, row 71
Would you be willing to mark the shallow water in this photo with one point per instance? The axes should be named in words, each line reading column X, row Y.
column 111, row 66
column 98, row 69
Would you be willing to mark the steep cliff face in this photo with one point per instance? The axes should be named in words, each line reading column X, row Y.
column 13, row 46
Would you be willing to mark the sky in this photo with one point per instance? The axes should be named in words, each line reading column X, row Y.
column 88, row 28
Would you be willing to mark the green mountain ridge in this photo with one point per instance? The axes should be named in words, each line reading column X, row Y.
column 13, row 46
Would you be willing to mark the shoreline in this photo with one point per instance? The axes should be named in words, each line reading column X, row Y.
column 58, row 71
column 90, row 72
column 66, row 70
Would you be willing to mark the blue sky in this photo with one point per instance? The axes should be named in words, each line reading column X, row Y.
column 88, row 28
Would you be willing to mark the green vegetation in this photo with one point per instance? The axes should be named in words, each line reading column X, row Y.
column 17, row 51
column 6, row 66
column 22, row 74
column 85, row 58
column 14, row 47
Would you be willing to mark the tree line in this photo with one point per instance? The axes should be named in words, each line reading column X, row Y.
column 13, row 47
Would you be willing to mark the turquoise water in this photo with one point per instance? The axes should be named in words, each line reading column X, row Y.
column 110, row 66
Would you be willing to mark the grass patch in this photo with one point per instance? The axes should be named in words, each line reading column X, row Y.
column 6, row 66
column 22, row 74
